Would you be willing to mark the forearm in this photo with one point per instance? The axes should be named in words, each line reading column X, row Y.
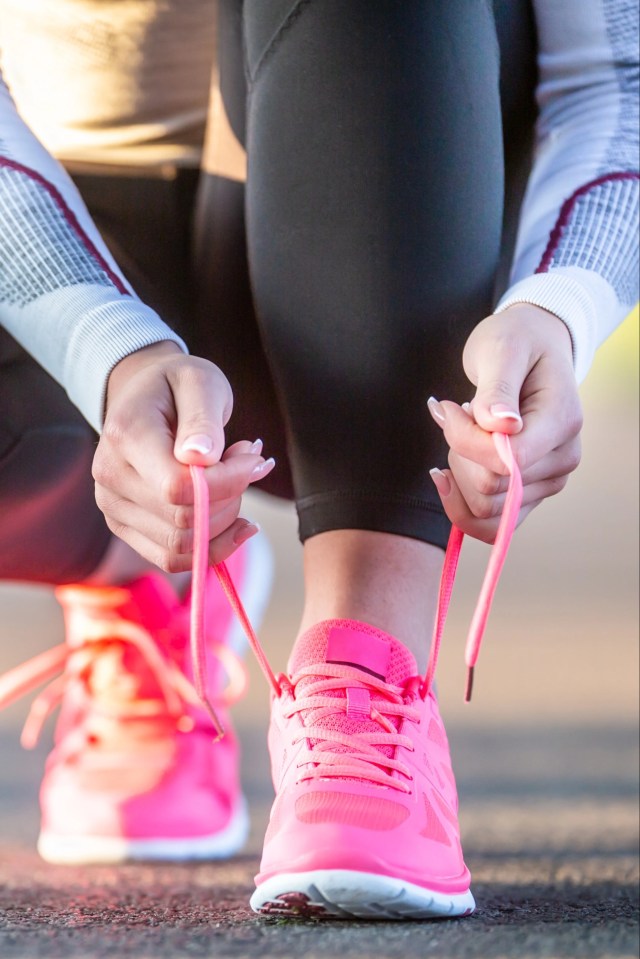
column 61, row 294
column 577, row 252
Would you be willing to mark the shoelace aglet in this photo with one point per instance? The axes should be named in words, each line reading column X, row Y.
column 468, row 689
column 211, row 713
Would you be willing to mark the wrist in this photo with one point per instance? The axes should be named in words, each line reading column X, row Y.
column 548, row 331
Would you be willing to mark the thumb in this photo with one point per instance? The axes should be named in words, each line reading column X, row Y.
column 203, row 404
column 499, row 373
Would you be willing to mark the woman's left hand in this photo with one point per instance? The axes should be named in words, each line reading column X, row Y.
column 521, row 364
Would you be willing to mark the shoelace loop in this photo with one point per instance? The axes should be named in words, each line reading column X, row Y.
column 60, row 665
column 75, row 663
column 360, row 756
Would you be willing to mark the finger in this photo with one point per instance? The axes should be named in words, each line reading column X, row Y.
column 227, row 479
column 542, row 435
column 559, row 462
column 498, row 366
column 124, row 515
column 464, row 436
column 460, row 515
column 220, row 548
column 242, row 447
column 164, row 559
column 233, row 476
column 262, row 470
column 227, row 542
column 487, row 506
column 471, row 476
column 203, row 404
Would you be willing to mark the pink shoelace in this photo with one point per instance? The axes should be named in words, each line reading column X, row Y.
column 507, row 525
column 61, row 665
column 365, row 754
column 176, row 688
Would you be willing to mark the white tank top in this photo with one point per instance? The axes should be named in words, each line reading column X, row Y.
column 112, row 81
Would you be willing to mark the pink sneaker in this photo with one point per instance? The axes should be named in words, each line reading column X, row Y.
column 134, row 773
column 365, row 818
column 365, row 821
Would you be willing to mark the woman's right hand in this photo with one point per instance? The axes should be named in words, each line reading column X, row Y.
column 165, row 411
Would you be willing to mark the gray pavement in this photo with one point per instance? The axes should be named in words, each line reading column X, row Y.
column 551, row 843
column 546, row 756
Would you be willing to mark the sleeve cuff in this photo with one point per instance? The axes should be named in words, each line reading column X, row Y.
column 124, row 326
column 571, row 298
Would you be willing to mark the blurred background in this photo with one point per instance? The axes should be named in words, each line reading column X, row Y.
column 546, row 753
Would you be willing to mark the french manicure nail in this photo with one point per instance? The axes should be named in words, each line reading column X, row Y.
column 435, row 409
column 246, row 532
column 256, row 447
column 263, row 468
column 441, row 481
column 199, row 443
column 502, row 412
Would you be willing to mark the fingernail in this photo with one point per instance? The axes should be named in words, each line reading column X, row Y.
column 441, row 481
column 256, row 447
column 502, row 412
column 466, row 407
column 263, row 468
column 246, row 532
column 199, row 443
column 435, row 409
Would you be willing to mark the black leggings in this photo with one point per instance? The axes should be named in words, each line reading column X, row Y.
column 388, row 145
column 374, row 203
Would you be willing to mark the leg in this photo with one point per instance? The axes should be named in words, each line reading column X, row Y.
column 132, row 774
column 374, row 205
column 379, row 578
column 375, row 199
column 51, row 530
column 226, row 329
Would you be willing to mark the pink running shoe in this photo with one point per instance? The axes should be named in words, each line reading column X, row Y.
column 135, row 773
column 365, row 822
column 365, row 819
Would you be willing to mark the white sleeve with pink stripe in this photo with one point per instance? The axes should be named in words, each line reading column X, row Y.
column 61, row 294
column 577, row 249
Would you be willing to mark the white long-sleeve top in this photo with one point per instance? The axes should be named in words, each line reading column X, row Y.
column 63, row 297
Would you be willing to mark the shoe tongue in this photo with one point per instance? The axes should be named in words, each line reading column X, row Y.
column 148, row 601
column 351, row 643
column 122, row 673
column 372, row 653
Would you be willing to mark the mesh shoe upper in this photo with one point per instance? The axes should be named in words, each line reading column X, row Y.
column 361, row 764
column 130, row 760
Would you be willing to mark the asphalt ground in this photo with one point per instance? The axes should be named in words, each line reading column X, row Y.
column 546, row 756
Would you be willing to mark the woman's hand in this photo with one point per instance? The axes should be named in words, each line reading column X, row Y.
column 165, row 411
column 521, row 364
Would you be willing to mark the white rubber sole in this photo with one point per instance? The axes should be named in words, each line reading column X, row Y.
column 341, row 893
column 83, row 850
